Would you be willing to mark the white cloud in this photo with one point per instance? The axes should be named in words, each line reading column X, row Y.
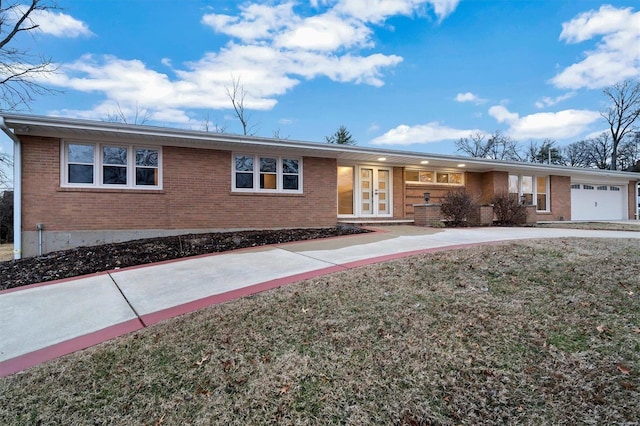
column 548, row 101
column 256, row 21
column 271, row 49
column 616, row 56
column 555, row 125
column 378, row 11
column 58, row 24
column 469, row 97
column 327, row 32
column 422, row 133
column 502, row 114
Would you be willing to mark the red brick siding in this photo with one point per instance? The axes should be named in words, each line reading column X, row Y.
column 494, row 183
column 633, row 200
column 196, row 194
column 473, row 183
column 415, row 195
column 560, row 199
column 398, row 193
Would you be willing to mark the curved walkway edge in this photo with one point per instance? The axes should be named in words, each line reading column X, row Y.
column 45, row 321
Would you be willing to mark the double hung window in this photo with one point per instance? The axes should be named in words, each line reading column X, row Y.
column 110, row 166
column 266, row 173
column 531, row 189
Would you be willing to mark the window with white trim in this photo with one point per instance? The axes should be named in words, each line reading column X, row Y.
column 531, row 189
column 96, row 165
column 266, row 173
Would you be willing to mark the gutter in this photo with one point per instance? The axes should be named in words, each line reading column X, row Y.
column 17, row 190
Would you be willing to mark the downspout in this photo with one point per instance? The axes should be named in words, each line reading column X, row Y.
column 17, row 190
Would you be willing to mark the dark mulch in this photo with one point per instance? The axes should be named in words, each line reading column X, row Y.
column 87, row 260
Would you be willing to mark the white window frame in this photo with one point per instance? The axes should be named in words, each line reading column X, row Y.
column 98, row 166
column 256, row 174
column 534, row 185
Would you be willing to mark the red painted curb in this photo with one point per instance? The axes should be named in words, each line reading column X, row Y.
column 175, row 311
column 22, row 362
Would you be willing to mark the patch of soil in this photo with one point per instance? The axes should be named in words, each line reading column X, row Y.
column 87, row 260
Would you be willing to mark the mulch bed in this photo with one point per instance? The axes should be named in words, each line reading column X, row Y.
column 87, row 260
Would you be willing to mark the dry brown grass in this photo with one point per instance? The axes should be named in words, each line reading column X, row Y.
column 6, row 252
column 602, row 226
column 539, row 332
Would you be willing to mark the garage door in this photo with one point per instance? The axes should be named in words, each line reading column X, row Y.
column 598, row 202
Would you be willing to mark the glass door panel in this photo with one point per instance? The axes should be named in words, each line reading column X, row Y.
column 374, row 194
column 366, row 191
column 345, row 190
column 382, row 190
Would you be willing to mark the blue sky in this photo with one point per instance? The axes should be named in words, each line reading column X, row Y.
column 399, row 74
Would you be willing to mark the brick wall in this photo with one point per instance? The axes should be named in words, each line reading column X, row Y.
column 427, row 215
column 560, row 199
column 494, row 183
column 399, row 208
column 196, row 194
column 473, row 184
column 633, row 199
column 414, row 194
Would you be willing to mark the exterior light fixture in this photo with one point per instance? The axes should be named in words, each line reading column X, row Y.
column 461, row 165
column 427, row 197
column 382, row 159
column 424, row 162
column 523, row 199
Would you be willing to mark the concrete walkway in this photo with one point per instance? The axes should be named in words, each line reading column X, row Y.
column 45, row 321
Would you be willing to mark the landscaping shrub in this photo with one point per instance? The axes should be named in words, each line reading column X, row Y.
column 6, row 217
column 457, row 207
column 508, row 210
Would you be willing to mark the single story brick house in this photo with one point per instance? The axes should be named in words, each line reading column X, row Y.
column 80, row 182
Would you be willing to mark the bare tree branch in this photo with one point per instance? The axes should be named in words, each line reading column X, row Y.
column 21, row 72
column 209, row 126
column 622, row 113
column 6, row 165
column 237, row 96
column 140, row 116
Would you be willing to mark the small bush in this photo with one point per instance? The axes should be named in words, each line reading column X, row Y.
column 6, row 217
column 457, row 207
column 508, row 210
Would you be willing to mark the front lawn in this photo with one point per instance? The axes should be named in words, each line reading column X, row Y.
column 536, row 332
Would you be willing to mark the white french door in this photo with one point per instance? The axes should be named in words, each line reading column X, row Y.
column 374, row 191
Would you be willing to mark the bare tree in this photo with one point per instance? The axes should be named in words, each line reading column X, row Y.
column 476, row 145
column 629, row 152
column 622, row 113
column 502, row 147
column 19, row 69
column 578, row 154
column 237, row 96
column 277, row 135
column 209, row 126
column 6, row 165
column 544, row 153
column 600, row 149
column 140, row 116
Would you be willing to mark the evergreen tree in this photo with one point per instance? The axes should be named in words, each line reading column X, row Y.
column 341, row 137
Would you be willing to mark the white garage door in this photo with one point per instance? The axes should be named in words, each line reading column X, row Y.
column 598, row 202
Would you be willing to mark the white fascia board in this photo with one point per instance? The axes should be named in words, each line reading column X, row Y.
column 43, row 126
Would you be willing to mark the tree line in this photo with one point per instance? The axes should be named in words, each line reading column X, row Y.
column 615, row 149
